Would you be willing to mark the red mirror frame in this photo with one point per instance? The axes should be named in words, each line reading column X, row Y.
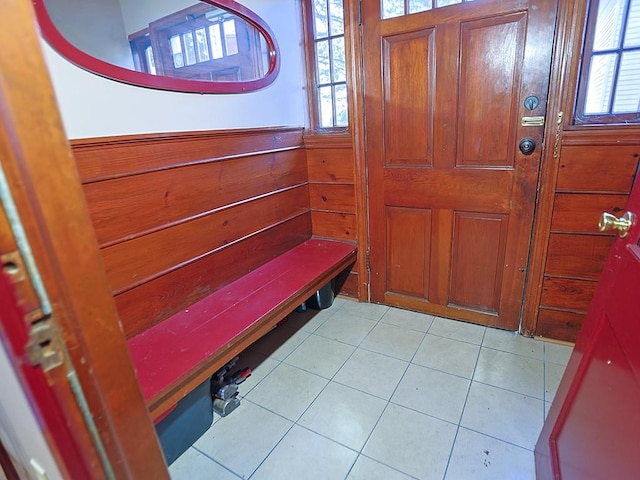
column 83, row 60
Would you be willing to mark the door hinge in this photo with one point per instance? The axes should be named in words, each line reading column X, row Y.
column 368, row 260
column 43, row 347
column 360, row 19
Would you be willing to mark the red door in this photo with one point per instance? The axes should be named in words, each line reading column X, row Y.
column 593, row 428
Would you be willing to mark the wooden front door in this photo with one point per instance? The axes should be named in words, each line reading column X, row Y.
column 593, row 428
column 451, row 196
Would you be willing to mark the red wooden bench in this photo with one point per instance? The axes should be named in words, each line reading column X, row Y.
column 179, row 353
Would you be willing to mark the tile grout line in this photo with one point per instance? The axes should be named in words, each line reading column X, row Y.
column 455, row 437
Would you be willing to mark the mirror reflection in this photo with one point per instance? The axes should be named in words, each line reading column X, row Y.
column 174, row 38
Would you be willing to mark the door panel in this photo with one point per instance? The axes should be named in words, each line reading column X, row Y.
column 491, row 67
column 444, row 94
column 476, row 271
column 410, row 229
column 593, row 428
column 408, row 101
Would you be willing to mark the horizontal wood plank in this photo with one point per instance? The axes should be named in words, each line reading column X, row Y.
column 567, row 293
column 129, row 206
column 330, row 165
column 578, row 256
column 103, row 158
column 332, row 197
column 559, row 324
column 334, row 225
column 578, row 212
column 140, row 259
column 597, row 168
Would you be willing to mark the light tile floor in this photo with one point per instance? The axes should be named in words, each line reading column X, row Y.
column 366, row 392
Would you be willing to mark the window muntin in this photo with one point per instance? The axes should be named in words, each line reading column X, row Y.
column 328, row 59
column 398, row 8
column 609, row 85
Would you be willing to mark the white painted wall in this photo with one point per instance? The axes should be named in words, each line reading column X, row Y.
column 92, row 106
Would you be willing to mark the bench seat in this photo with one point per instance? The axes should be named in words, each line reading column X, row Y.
column 178, row 354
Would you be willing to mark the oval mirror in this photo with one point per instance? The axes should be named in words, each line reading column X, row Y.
column 213, row 46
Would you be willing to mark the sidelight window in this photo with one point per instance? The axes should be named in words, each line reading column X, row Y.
column 609, row 84
column 324, row 21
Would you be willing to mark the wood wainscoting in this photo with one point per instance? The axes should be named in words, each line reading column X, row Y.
column 205, row 207
column 208, row 207
column 587, row 169
column 330, row 160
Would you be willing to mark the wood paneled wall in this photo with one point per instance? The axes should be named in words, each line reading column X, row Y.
column 331, row 164
column 178, row 216
column 595, row 174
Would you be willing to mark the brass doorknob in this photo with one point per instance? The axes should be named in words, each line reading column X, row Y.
column 611, row 222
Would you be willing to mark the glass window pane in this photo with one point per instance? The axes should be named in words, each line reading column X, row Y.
column 632, row 37
column 326, row 107
column 342, row 114
column 337, row 47
column 392, row 8
column 189, row 47
column 216, row 41
column 416, row 6
column 203, row 47
column 608, row 25
column 151, row 63
column 446, row 3
column 627, row 98
column 176, row 51
column 336, row 17
column 321, row 18
column 600, row 84
column 230, row 39
column 324, row 69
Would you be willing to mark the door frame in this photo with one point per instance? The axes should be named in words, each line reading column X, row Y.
column 49, row 201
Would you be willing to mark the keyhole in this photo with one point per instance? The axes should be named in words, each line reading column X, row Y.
column 531, row 102
column 10, row 268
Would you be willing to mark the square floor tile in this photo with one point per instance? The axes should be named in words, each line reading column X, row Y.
column 243, row 439
column 547, row 407
column 512, row 372
column 432, row 392
column 311, row 320
column 194, row 465
column 557, row 353
column 320, row 355
column 344, row 415
column 408, row 319
column 552, row 376
column 280, row 342
column 513, row 343
column 371, row 311
column 478, row 457
column 393, row 341
column 287, row 391
column 447, row 355
column 411, row 442
column 508, row 416
column 306, row 455
column 457, row 330
column 367, row 469
column 346, row 328
column 372, row 373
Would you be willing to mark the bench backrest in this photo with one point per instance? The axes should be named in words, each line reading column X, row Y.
column 178, row 216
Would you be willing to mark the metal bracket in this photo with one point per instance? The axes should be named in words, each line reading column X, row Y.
column 42, row 347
